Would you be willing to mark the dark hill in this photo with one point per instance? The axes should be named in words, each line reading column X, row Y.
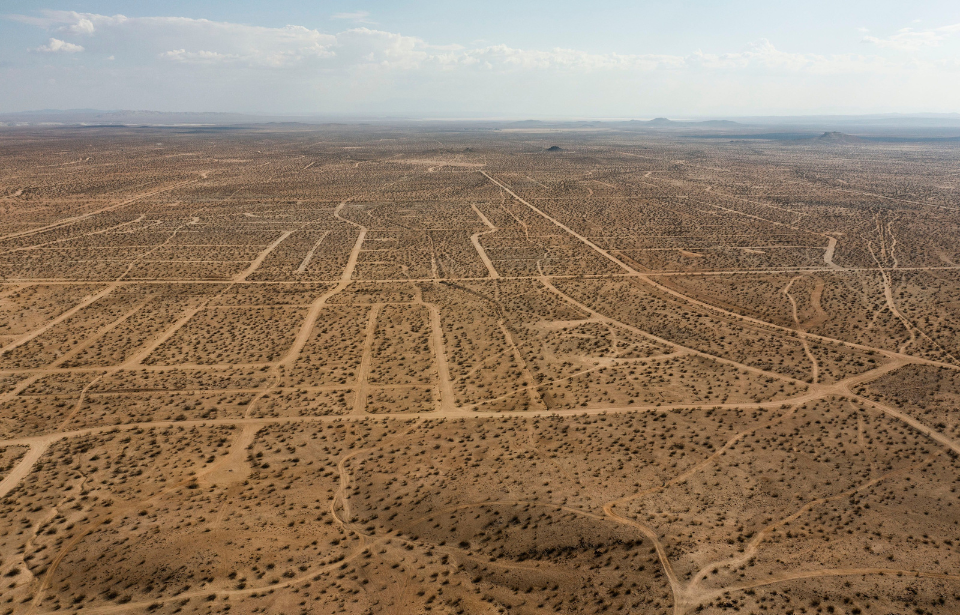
column 837, row 137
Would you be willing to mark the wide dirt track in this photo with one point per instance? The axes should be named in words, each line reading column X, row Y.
column 395, row 369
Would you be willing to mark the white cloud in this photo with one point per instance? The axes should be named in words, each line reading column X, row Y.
column 184, row 41
column 199, row 63
column 56, row 45
column 908, row 39
column 763, row 55
column 357, row 16
column 197, row 57
column 82, row 26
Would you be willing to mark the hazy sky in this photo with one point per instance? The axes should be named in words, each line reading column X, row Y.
column 677, row 58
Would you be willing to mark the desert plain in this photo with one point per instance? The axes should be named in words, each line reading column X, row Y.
column 410, row 370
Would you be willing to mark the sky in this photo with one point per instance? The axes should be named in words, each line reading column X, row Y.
column 498, row 58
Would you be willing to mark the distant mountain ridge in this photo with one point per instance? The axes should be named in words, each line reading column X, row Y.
column 891, row 127
column 662, row 122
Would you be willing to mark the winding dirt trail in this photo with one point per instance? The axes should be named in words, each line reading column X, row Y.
column 694, row 594
column 240, row 277
column 448, row 401
column 675, row 586
column 74, row 219
column 366, row 358
column 815, row 371
column 685, row 598
column 683, row 601
column 20, row 471
column 829, row 252
column 303, row 335
column 136, row 360
column 86, row 301
column 306, row 259
column 68, row 356
column 815, row 391
column 641, row 276
column 820, row 315
column 608, row 320
column 841, row 388
column 533, row 388
column 913, row 329
column 475, row 240
column 232, row 467
column 66, row 239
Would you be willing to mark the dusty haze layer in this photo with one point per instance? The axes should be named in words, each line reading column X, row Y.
column 387, row 370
